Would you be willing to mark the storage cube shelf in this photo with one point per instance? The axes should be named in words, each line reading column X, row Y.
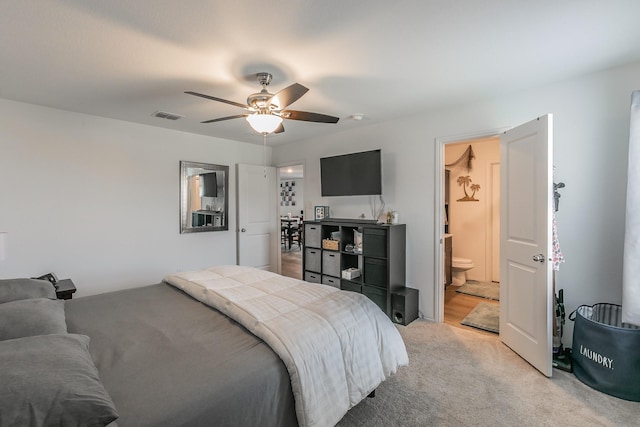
column 381, row 261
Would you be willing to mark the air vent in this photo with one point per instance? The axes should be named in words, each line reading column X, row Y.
column 168, row 116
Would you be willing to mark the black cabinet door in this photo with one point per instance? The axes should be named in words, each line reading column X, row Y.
column 375, row 272
column 378, row 296
column 374, row 242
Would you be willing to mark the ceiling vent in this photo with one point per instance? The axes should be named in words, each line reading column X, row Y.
column 168, row 116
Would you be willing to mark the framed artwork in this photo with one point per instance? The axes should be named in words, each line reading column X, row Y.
column 287, row 193
column 321, row 212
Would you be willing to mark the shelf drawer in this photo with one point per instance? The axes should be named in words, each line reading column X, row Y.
column 331, row 281
column 375, row 272
column 312, row 259
column 345, row 285
column 374, row 242
column 377, row 295
column 313, row 235
column 331, row 263
column 311, row 277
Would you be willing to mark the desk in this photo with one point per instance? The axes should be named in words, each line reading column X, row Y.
column 287, row 226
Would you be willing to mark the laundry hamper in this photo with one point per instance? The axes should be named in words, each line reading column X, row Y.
column 606, row 352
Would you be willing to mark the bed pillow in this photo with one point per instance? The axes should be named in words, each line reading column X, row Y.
column 51, row 380
column 27, row 317
column 17, row 289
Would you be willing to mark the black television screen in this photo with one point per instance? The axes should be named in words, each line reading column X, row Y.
column 357, row 174
column 208, row 185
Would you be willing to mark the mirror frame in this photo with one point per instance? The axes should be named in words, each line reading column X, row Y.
column 186, row 170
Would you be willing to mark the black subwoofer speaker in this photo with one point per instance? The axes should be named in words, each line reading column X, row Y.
column 404, row 306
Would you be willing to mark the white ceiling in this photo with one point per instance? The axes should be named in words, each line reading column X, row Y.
column 127, row 59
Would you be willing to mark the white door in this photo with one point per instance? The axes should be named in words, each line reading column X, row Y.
column 258, row 226
column 526, row 292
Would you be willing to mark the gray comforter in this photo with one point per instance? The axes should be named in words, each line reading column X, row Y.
column 166, row 359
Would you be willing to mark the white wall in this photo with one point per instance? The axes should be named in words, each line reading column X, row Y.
column 97, row 200
column 298, row 189
column 591, row 132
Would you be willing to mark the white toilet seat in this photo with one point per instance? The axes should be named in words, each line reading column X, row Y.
column 462, row 263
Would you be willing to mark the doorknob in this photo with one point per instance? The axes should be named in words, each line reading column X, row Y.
column 244, row 230
column 538, row 258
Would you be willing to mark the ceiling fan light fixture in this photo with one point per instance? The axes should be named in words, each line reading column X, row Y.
column 264, row 123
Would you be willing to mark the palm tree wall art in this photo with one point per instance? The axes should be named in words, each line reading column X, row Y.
column 464, row 182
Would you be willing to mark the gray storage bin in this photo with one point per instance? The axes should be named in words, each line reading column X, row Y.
column 331, row 263
column 313, row 235
column 312, row 259
column 331, row 281
column 606, row 352
column 311, row 277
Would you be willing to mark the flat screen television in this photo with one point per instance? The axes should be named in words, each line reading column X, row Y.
column 356, row 174
column 208, row 185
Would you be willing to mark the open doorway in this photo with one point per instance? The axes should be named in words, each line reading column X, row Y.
column 291, row 210
column 526, row 194
column 471, row 249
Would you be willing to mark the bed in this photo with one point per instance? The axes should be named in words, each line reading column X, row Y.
column 167, row 359
column 166, row 354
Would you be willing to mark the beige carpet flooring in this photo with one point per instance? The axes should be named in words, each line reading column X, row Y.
column 457, row 377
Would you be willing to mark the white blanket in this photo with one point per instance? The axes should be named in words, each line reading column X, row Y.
column 338, row 346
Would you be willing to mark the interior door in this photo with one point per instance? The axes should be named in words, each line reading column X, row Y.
column 526, row 291
column 258, row 231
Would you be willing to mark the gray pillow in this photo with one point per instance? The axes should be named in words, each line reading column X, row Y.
column 51, row 380
column 17, row 289
column 27, row 317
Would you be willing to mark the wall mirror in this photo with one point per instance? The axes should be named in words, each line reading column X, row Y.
column 204, row 201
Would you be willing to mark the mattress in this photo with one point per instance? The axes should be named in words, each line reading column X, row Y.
column 167, row 359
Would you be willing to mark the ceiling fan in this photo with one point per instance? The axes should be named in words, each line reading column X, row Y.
column 266, row 111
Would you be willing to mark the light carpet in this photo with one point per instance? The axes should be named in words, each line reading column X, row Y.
column 490, row 290
column 461, row 378
column 484, row 316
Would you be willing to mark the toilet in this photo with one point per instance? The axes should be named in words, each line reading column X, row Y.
column 459, row 267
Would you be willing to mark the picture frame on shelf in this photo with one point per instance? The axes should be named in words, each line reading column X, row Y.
column 321, row 212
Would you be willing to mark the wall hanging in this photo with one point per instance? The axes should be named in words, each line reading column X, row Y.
column 288, row 193
column 464, row 182
column 464, row 161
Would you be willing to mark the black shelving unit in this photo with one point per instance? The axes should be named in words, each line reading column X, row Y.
column 382, row 261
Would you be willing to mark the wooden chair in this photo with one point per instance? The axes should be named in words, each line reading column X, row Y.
column 295, row 231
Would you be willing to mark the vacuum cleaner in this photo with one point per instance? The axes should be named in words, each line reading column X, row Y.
column 561, row 355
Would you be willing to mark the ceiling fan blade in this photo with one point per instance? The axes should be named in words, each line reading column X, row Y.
column 288, row 95
column 279, row 129
column 308, row 117
column 225, row 118
column 213, row 98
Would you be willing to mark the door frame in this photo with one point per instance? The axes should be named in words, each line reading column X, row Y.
column 438, row 226
column 303, row 163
